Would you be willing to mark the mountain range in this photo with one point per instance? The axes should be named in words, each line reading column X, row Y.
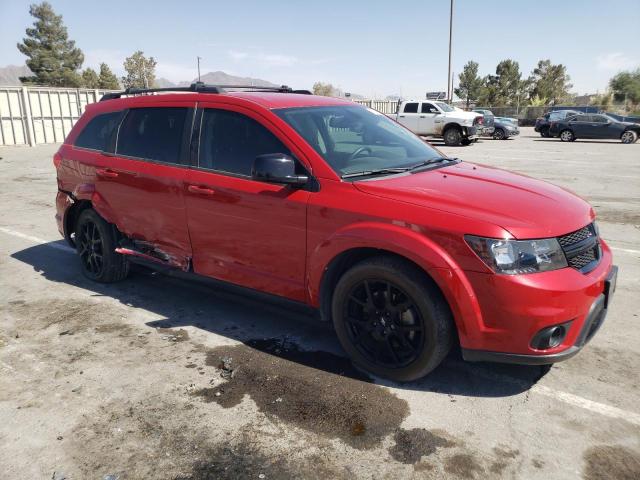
column 10, row 75
column 218, row 78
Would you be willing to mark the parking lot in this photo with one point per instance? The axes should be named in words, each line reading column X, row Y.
column 160, row 378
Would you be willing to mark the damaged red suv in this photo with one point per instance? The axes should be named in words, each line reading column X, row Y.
column 334, row 205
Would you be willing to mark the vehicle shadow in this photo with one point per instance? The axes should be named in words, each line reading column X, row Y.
column 252, row 318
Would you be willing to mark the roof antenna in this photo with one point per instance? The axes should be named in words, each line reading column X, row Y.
column 199, row 58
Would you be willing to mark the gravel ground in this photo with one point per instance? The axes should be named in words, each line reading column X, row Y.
column 161, row 378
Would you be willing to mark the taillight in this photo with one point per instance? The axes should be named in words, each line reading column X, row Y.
column 57, row 159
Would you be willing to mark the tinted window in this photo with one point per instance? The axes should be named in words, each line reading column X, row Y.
column 599, row 119
column 411, row 108
column 428, row 108
column 354, row 139
column 230, row 142
column 153, row 134
column 97, row 133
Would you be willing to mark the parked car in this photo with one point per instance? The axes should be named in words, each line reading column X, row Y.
column 333, row 205
column 488, row 120
column 503, row 129
column 543, row 122
column 588, row 125
column 437, row 119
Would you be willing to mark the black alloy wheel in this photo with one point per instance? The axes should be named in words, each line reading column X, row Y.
column 96, row 241
column 384, row 323
column 91, row 248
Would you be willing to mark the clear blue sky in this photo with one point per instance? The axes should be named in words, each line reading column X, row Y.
column 369, row 47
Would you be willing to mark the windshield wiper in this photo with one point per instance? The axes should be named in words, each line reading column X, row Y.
column 431, row 161
column 379, row 171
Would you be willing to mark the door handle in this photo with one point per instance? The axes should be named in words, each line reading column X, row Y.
column 422, row 116
column 200, row 190
column 106, row 172
column 401, row 116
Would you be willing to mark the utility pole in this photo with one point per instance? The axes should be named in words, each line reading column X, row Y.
column 449, row 92
column 198, row 67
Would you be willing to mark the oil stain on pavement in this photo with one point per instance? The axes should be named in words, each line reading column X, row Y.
column 610, row 461
column 317, row 391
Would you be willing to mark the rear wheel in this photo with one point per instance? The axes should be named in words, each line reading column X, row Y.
column 629, row 137
column 567, row 136
column 96, row 243
column 452, row 136
column 498, row 134
column 391, row 319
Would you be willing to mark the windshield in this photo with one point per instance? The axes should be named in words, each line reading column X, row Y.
column 356, row 139
column 444, row 107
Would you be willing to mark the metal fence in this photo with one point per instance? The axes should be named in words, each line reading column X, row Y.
column 39, row 115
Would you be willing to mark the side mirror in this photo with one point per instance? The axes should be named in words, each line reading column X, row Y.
column 277, row 168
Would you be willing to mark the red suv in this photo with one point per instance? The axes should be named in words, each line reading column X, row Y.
column 334, row 205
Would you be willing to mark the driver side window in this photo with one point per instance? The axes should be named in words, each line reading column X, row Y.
column 429, row 108
column 230, row 142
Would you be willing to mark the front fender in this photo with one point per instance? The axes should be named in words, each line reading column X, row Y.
column 407, row 241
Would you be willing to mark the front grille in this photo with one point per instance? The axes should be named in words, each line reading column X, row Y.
column 582, row 248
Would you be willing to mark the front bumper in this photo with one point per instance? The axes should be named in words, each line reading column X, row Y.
column 593, row 321
column 514, row 308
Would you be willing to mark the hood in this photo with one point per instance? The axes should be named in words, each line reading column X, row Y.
column 465, row 115
column 524, row 206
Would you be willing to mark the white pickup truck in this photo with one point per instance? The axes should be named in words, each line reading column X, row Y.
column 437, row 119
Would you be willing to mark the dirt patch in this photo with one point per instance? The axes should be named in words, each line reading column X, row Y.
column 618, row 215
column 412, row 445
column 611, row 462
column 68, row 316
column 171, row 335
column 119, row 328
column 322, row 400
column 463, row 465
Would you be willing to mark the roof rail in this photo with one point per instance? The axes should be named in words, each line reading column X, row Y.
column 200, row 87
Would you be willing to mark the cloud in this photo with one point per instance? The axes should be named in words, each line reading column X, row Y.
column 615, row 61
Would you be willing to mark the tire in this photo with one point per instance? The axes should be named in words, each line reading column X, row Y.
column 414, row 320
column 499, row 134
column 629, row 137
column 567, row 136
column 545, row 133
column 96, row 241
column 452, row 136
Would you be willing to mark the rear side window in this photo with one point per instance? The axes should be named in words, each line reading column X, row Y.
column 97, row 134
column 153, row 134
column 411, row 108
column 230, row 142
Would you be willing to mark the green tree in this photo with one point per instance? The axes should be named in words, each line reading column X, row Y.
column 52, row 57
column 550, row 81
column 506, row 87
column 90, row 78
column 324, row 89
column 141, row 71
column 107, row 79
column 470, row 84
column 626, row 86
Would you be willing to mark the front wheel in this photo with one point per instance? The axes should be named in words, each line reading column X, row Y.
column 452, row 136
column 629, row 137
column 545, row 133
column 391, row 319
column 567, row 136
column 95, row 243
column 498, row 134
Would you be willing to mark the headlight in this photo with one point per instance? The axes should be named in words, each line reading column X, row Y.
column 512, row 257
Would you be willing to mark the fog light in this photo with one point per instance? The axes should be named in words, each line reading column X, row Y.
column 550, row 337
